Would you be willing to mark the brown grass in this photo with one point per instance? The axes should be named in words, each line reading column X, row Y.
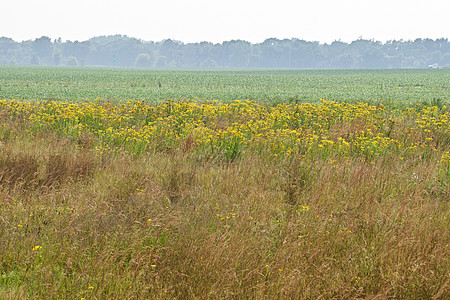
column 169, row 225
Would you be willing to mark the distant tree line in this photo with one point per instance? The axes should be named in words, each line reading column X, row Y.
column 125, row 51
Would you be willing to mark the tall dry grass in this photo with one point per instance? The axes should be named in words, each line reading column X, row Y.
column 76, row 223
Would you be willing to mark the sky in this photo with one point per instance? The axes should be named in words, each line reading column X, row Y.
column 216, row 21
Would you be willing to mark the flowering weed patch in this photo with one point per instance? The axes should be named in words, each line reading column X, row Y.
column 229, row 130
column 223, row 200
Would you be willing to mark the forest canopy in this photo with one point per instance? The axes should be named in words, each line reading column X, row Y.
column 124, row 51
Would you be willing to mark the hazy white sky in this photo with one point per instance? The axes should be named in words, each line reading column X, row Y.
column 218, row 21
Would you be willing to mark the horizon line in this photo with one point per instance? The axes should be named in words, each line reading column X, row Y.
column 361, row 38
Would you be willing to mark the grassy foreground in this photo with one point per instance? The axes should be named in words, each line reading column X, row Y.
column 212, row 200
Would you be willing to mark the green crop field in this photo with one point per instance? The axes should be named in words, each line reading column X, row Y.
column 173, row 186
column 390, row 87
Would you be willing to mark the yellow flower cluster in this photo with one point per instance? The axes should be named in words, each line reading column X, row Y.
column 230, row 129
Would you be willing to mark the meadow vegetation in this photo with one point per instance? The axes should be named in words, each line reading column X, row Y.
column 234, row 199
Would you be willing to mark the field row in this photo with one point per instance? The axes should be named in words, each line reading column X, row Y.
column 395, row 88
